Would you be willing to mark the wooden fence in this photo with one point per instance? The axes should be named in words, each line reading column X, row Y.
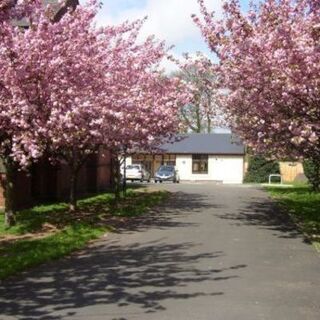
column 291, row 171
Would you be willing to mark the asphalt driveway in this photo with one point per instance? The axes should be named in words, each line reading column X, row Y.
column 210, row 253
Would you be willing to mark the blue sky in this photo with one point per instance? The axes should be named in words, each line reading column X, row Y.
column 169, row 20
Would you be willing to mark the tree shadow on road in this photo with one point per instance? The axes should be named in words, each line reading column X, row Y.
column 265, row 214
column 169, row 214
column 110, row 275
column 137, row 275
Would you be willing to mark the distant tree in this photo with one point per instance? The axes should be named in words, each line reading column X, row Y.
column 203, row 113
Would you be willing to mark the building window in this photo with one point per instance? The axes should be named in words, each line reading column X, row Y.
column 169, row 160
column 200, row 163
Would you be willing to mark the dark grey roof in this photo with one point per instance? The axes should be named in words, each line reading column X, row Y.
column 206, row 144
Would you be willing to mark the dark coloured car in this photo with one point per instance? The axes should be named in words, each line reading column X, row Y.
column 167, row 173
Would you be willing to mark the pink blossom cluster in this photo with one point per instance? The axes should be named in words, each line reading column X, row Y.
column 270, row 65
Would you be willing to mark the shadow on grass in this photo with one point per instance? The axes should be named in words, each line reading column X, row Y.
column 56, row 215
column 303, row 205
column 19, row 255
column 91, row 211
column 138, row 275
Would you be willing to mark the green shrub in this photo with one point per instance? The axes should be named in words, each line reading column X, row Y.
column 312, row 172
column 260, row 168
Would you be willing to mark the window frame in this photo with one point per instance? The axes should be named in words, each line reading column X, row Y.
column 202, row 158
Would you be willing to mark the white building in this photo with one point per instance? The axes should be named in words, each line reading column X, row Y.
column 200, row 157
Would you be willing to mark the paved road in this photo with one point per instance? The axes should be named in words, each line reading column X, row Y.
column 211, row 253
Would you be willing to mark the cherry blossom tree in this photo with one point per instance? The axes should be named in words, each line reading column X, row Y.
column 17, row 141
column 145, row 101
column 203, row 112
column 270, row 64
column 70, row 88
column 52, row 85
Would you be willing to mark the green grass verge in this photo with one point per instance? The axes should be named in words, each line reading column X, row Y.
column 74, row 230
column 304, row 207
column 22, row 254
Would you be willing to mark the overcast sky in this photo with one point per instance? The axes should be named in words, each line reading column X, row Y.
column 168, row 20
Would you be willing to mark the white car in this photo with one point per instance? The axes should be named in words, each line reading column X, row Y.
column 137, row 172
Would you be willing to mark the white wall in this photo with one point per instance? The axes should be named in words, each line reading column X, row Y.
column 228, row 169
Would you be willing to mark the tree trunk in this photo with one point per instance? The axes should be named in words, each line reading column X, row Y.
column 76, row 161
column 9, row 211
column 73, row 191
column 209, row 123
column 198, row 117
column 124, row 178
column 116, row 177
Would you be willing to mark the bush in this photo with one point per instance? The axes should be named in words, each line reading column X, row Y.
column 260, row 168
column 312, row 172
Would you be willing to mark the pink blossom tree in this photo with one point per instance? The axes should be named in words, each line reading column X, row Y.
column 18, row 143
column 67, row 73
column 70, row 87
column 270, row 64
column 145, row 102
column 52, row 90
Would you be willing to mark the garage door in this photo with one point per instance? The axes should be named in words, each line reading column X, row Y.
column 228, row 169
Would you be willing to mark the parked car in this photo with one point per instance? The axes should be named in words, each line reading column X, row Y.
column 167, row 173
column 137, row 172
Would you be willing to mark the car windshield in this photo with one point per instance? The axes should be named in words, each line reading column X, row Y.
column 166, row 169
column 133, row 167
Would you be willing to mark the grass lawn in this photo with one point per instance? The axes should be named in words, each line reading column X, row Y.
column 304, row 207
column 49, row 232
